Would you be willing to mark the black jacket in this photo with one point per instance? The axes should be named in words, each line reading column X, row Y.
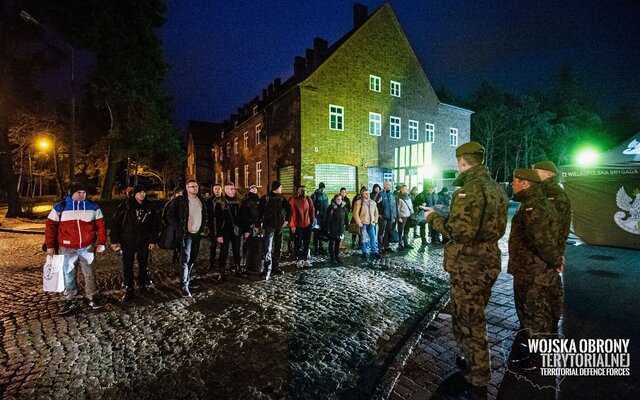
column 134, row 223
column 178, row 215
column 227, row 215
column 335, row 220
column 274, row 210
column 249, row 212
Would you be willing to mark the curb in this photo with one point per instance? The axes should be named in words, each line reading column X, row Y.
column 21, row 231
column 390, row 378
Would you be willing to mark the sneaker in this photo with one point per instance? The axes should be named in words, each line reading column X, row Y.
column 222, row 278
column 277, row 271
column 193, row 285
column 300, row 264
column 95, row 303
column 307, row 264
column 461, row 363
column 148, row 284
column 69, row 305
column 185, row 292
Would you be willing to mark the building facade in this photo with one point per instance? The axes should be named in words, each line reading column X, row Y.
column 357, row 113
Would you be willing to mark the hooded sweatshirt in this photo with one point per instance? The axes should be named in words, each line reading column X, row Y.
column 75, row 224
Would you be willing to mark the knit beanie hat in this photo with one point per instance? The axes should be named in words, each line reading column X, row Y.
column 76, row 187
column 275, row 185
column 138, row 188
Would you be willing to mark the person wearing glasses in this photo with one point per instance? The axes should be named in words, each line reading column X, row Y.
column 188, row 217
column 228, row 230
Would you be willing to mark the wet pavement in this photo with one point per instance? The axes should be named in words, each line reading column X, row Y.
column 324, row 332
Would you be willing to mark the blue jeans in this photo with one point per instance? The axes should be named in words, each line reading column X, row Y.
column 84, row 258
column 190, row 248
column 369, row 237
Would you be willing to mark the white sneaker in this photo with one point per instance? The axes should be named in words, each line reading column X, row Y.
column 300, row 264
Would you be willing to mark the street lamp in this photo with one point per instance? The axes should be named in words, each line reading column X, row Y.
column 72, row 145
column 44, row 144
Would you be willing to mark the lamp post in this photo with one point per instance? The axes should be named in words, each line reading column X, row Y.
column 44, row 144
column 72, row 145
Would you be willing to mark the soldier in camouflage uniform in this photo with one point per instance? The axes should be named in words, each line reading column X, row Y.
column 476, row 221
column 534, row 259
column 560, row 201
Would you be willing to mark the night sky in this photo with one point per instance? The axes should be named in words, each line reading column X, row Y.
column 224, row 53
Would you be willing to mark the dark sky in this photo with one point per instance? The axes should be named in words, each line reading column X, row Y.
column 223, row 53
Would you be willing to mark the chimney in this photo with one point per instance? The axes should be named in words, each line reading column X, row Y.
column 270, row 89
column 276, row 84
column 360, row 13
column 298, row 65
column 264, row 94
column 309, row 58
column 320, row 47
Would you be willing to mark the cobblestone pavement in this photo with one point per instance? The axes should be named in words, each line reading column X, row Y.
column 324, row 332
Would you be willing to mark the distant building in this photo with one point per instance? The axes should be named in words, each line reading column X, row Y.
column 200, row 138
column 357, row 113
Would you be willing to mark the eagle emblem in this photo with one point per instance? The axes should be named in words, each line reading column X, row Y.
column 629, row 219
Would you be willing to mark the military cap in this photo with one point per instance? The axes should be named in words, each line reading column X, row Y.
column 527, row 175
column 469, row 148
column 547, row 166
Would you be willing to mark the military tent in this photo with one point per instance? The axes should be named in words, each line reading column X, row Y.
column 605, row 198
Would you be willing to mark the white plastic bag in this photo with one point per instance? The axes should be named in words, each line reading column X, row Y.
column 52, row 274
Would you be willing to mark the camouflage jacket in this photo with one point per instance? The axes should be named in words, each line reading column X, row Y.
column 560, row 201
column 534, row 253
column 476, row 221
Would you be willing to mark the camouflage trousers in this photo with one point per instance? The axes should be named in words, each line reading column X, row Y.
column 469, row 297
column 539, row 307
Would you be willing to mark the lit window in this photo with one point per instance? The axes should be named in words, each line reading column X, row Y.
column 395, row 88
column 375, row 124
column 237, row 176
column 246, row 140
column 258, row 133
column 259, row 174
column 246, row 176
column 429, row 133
column 413, row 130
column 336, row 118
column 453, row 136
column 374, row 83
column 235, row 146
column 394, row 127
column 228, row 148
column 221, row 154
column 228, row 175
column 255, row 109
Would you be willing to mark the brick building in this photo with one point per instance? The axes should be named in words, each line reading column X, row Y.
column 357, row 113
column 200, row 138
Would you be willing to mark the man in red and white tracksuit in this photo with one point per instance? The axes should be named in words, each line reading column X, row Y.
column 73, row 227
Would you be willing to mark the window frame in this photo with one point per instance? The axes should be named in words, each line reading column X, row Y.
column 259, row 173
column 339, row 122
column 246, row 140
column 416, row 127
column 429, row 132
column 373, row 79
column 453, row 136
column 258, row 133
column 398, row 86
column 393, row 124
column 246, row 175
column 235, row 145
column 378, row 122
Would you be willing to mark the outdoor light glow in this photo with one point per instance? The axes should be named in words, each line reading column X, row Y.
column 587, row 157
column 426, row 171
column 44, row 144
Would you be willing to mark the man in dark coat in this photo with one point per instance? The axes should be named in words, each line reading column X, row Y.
column 275, row 213
column 335, row 221
column 211, row 206
column 228, row 229
column 320, row 204
column 249, row 221
column 188, row 217
column 135, row 231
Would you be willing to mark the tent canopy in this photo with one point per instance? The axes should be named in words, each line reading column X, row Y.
column 605, row 198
